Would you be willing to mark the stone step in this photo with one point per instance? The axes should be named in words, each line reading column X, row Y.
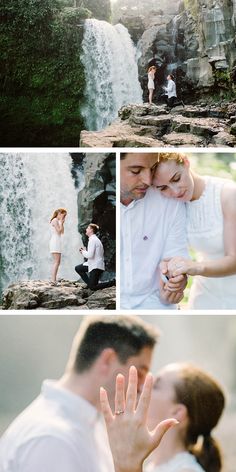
column 183, row 139
column 150, row 120
column 224, row 139
column 206, row 127
column 134, row 140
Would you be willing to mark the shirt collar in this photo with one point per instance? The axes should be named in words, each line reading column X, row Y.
column 76, row 407
column 131, row 204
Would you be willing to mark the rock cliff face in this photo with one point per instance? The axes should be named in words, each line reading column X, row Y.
column 42, row 294
column 194, row 39
column 96, row 201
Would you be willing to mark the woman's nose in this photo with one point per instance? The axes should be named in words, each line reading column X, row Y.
column 175, row 191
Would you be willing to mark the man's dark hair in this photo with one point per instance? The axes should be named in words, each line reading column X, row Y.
column 127, row 335
column 94, row 227
column 123, row 155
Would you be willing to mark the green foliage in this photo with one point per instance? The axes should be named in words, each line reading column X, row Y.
column 42, row 77
column 216, row 164
column 101, row 9
column 193, row 7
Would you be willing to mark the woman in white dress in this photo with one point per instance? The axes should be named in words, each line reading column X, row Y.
column 211, row 230
column 151, row 85
column 55, row 245
column 193, row 403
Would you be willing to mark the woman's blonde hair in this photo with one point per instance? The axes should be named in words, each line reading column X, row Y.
column 59, row 210
column 171, row 156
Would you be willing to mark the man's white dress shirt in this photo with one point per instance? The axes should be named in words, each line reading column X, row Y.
column 152, row 228
column 171, row 89
column 60, row 432
column 94, row 254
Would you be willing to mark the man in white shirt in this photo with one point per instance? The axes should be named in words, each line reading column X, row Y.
column 91, row 271
column 63, row 428
column 153, row 228
column 171, row 95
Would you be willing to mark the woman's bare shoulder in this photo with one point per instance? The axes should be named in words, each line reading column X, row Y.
column 228, row 197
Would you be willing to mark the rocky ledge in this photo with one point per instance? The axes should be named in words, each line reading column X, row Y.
column 42, row 294
column 154, row 125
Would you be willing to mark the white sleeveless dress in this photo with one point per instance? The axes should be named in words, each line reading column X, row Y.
column 181, row 461
column 151, row 84
column 55, row 244
column 205, row 227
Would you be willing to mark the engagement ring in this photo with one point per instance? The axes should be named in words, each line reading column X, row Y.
column 119, row 412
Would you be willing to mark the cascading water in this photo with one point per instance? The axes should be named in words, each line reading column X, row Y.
column 111, row 72
column 32, row 186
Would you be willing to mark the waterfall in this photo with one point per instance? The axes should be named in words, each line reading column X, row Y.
column 111, row 72
column 32, row 186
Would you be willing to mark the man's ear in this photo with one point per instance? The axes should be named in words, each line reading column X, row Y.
column 106, row 360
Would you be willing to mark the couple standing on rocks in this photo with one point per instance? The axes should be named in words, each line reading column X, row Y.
column 170, row 95
column 90, row 271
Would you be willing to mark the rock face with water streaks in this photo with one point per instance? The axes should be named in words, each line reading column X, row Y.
column 194, row 39
column 96, row 201
column 152, row 126
column 41, row 294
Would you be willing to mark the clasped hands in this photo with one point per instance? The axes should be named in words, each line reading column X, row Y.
column 172, row 290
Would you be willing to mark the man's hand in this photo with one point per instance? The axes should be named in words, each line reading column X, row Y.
column 175, row 283
column 169, row 297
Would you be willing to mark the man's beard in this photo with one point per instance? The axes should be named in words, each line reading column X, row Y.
column 131, row 195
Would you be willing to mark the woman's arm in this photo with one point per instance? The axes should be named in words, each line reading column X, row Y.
column 58, row 227
column 227, row 264
column 130, row 440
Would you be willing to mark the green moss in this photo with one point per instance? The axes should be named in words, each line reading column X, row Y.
column 42, row 77
column 193, row 7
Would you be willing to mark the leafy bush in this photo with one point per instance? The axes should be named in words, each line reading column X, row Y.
column 42, row 78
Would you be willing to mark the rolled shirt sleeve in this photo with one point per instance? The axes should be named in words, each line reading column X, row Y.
column 176, row 242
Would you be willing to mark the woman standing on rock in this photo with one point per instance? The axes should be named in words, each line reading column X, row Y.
column 55, row 245
column 211, row 230
column 151, row 85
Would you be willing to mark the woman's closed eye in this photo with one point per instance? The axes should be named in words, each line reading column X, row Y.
column 176, row 179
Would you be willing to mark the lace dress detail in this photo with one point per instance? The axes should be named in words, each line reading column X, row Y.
column 205, row 229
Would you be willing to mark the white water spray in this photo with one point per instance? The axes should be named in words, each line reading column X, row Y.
column 111, row 72
column 32, row 186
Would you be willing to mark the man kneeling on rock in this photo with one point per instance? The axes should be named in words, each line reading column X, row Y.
column 91, row 271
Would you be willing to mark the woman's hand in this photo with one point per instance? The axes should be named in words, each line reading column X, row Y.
column 179, row 265
column 130, row 440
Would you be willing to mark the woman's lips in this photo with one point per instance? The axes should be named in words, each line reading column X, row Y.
column 182, row 194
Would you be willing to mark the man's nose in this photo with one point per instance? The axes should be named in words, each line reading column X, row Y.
column 147, row 177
